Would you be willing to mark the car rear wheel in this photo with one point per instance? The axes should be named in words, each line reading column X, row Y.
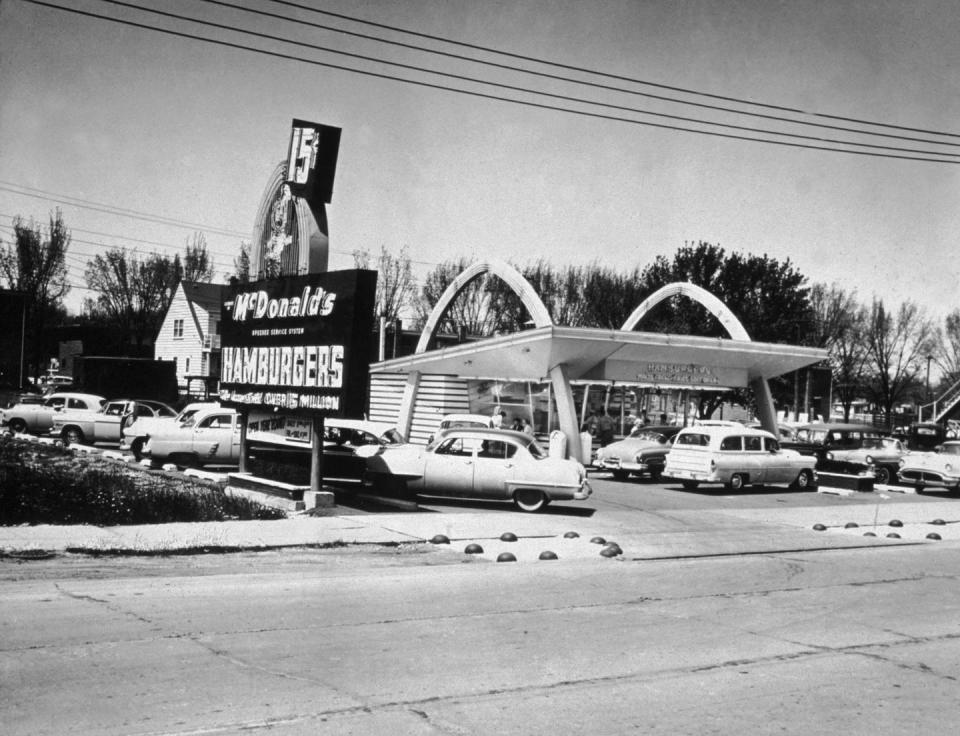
column 736, row 482
column 72, row 436
column 18, row 425
column 530, row 500
column 881, row 475
column 656, row 474
column 690, row 484
column 804, row 480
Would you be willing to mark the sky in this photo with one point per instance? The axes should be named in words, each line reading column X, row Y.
column 143, row 138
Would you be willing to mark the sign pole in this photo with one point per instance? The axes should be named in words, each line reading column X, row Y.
column 316, row 454
column 244, row 416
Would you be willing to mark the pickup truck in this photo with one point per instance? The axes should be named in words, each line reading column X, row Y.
column 105, row 425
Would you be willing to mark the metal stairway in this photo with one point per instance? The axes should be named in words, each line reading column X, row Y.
column 946, row 407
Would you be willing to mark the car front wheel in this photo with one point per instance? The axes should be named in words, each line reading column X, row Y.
column 621, row 474
column 690, row 485
column 530, row 500
column 17, row 426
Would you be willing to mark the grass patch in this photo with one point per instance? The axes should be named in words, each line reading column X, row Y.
column 41, row 484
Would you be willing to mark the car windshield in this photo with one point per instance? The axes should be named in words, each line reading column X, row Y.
column 650, row 436
column 952, row 449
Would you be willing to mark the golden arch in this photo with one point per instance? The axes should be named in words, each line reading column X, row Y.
column 766, row 411
column 717, row 308
column 508, row 274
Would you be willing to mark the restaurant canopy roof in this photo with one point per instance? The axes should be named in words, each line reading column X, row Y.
column 591, row 354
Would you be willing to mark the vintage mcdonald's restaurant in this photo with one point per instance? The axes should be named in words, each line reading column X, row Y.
column 299, row 339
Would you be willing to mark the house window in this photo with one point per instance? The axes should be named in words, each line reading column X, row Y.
column 187, row 368
column 178, row 328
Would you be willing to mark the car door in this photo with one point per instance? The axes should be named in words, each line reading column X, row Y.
column 495, row 465
column 216, row 438
column 448, row 470
column 753, row 459
column 106, row 424
column 779, row 468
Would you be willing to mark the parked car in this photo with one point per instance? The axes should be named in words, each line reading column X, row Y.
column 210, row 436
column 38, row 418
column 482, row 463
column 940, row 469
column 644, row 451
column 785, row 432
column 820, row 438
column 76, row 426
column 736, row 457
column 347, row 443
column 451, row 421
column 925, row 435
column 876, row 456
column 135, row 433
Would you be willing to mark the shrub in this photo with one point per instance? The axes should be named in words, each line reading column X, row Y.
column 48, row 485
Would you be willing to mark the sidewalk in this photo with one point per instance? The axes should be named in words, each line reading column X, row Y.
column 650, row 536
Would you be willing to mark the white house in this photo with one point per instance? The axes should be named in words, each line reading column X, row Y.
column 190, row 335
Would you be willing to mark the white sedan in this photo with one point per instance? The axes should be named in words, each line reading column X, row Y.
column 38, row 418
column 136, row 433
column 480, row 463
column 210, row 436
column 940, row 469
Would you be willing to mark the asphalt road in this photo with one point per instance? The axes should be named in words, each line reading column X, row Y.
column 414, row 641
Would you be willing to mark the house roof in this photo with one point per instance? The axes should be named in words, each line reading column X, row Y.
column 208, row 296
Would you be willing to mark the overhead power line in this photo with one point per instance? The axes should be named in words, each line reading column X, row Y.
column 531, row 91
column 112, row 210
column 607, row 75
column 557, row 77
column 934, row 156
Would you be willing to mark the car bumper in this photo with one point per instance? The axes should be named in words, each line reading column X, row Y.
column 583, row 493
column 929, row 479
column 696, row 475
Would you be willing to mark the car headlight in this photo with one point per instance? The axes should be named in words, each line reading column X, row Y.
column 948, row 467
column 829, row 456
column 902, row 462
column 869, row 459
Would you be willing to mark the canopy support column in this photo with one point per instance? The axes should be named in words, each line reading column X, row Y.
column 766, row 412
column 405, row 420
column 567, row 411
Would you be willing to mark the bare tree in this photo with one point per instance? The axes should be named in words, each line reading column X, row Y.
column 897, row 344
column 35, row 264
column 946, row 350
column 396, row 285
column 133, row 294
column 241, row 264
column 197, row 264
